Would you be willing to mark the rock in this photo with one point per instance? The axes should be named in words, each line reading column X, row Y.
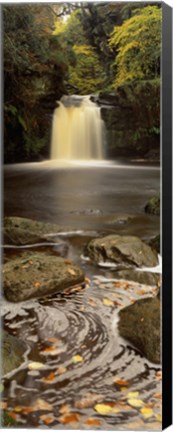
column 38, row 275
column 129, row 250
column 22, row 231
column 140, row 324
column 145, row 278
column 153, row 206
column 155, row 243
column 12, row 352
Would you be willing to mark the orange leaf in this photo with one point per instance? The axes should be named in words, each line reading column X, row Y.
column 47, row 419
column 27, row 410
column 93, row 422
column 157, row 396
column 13, row 415
column 69, row 418
column 121, row 382
column 65, row 409
column 37, row 284
column 49, row 378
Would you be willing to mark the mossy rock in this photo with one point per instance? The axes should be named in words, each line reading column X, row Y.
column 153, row 206
column 12, row 352
column 140, row 324
column 155, row 243
column 145, row 278
column 38, row 275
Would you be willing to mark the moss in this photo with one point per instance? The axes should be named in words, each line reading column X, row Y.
column 7, row 421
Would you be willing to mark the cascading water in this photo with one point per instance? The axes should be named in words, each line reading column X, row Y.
column 77, row 131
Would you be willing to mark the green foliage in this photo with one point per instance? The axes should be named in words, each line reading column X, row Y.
column 138, row 42
column 7, row 421
column 87, row 76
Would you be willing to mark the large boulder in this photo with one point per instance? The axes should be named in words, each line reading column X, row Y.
column 22, row 231
column 38, row 275
column 12, row 352
column 129, row 250
column 140, row 324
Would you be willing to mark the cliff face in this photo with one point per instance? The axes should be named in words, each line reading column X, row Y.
column 132, row 120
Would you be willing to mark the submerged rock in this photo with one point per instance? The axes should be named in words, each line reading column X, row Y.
column 22, row 231
column 153, row 206
column 129, row 250
column 140, row 324
column 145, row 278
column 12, row 352
column 38, row 275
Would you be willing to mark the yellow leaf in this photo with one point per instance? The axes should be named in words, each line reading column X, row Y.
column 105, row 409
column 35, row 366
column 132, row 395
column 136, row 403
column 108, row 302
column 159, row 417
column 77, row 359
column 18, row 409
column 146, row 412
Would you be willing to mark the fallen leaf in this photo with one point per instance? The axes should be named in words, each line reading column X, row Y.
column 93, row 422
column 123, row 389
column 3, row 405
column 60, row 370
column 106, row 409
column 47, row 419
column 69, row 418
column 54, row 340
column 87, row 280
column 92, row 302
column 159, row 375
column 49, row 378
column 159, row 417
column 132, row 395
column 108, row 302
column 88, row 400
column 13, row 415
column 41, row 405
column 146, row 412
column 121, row 382
column 135, row 403
column 37, row 284
column 18, row 409
column 35, row 366
column 50, row 350
column 158, row 396
column 71, row 271
column 77, row 359
column 27, row 410
column 64, row 409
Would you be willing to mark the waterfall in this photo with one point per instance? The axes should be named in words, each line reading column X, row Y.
column 77, row 130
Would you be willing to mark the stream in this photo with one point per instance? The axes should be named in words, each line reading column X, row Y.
column 74, row 334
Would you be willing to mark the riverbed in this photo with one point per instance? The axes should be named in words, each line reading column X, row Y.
column 74, row 334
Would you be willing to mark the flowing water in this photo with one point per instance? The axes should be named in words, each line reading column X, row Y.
column 83, row 321
column 77, row 131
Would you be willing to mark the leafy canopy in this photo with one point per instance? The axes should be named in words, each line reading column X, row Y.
column 138, row 44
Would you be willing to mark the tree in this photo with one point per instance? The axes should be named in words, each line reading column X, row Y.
column 138, row 45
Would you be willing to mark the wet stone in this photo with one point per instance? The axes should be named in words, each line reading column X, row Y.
column 12, row 352
column 140, row 324
column 38, row 275
column 129, row 250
